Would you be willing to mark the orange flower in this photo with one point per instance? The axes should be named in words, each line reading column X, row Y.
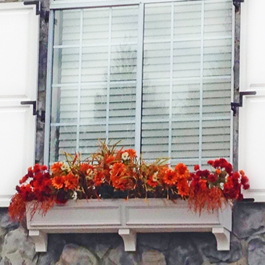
column 218, row 171
column 183, row 188
column 120, row 183
column 153, row 180
column 84, row 167
column 182, row 171
column 70, row 181
column 109, row 158
column 98, row 178
column 56, row 168
column 131, row 152
column 170, row 177
column 242, row 172
column 58, row 182
column 118, row 170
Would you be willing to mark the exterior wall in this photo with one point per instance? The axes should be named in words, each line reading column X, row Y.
column 247, row 239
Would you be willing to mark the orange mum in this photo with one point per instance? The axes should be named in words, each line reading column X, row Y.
column 182, row 171
column 58, row 182
column 170, row 177
column 56, row 168
column 183, row 188
column 70, row 181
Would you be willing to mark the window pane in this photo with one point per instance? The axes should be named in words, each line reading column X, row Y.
column 94, row 78
column 187, row 80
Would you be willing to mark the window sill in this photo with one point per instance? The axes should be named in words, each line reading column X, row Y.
column 127, row 218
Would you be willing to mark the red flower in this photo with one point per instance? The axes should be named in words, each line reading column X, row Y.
column 183, row 188
column 196, row 167
column 212, row 177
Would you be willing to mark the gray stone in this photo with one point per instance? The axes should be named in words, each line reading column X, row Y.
column 18, row 248
column 114, row 256
column 256, row 252
column 153, row 257
column 183, row 251
column 7, row 223
column 248, row 219
column 213, row 255
column 154, row 241
column 101, row 250
column 76, row 255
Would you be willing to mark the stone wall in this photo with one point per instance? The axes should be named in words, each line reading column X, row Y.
column 16, row 248
column 247, row 245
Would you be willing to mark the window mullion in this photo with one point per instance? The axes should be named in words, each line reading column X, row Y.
column 171, row 82
column 201, row 84
column 108, row 77
column 79, row 80
column 139, row 78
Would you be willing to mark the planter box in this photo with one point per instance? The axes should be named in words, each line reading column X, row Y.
column 127, row 218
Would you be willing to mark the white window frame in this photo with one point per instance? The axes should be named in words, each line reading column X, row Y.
column 77, row 4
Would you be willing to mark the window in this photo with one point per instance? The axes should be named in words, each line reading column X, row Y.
column 157, row 75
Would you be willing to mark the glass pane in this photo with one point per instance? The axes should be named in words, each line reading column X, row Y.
column 64, row 105
column 96, row 26
column 67, row 27
column 89, row 136
column 157, row 22
column 122, row 102
column 216, row 138
column 66, row 66
column 94, row 64
column 185, row 140
column 62, row 139
column 93, row 104
column 155, row 140
column 217, row 98
column 187, row 20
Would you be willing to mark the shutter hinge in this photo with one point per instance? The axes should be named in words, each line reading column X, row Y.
column 235, row 105
column 237, row 3
column 39, row 113
column 37, row 3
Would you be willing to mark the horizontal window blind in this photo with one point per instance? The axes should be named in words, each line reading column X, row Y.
column 185, row 83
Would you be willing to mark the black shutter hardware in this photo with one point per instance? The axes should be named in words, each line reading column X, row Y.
column 235, row 105
column 39, row 113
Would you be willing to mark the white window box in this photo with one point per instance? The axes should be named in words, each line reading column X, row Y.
column 127, row 218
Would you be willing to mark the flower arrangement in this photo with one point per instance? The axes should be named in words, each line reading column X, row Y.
column 117, row 173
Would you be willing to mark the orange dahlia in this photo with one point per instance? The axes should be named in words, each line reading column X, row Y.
column 182, row 171
column 58, row 182
column 170, row 177
column 70, row 181
column 56, row 168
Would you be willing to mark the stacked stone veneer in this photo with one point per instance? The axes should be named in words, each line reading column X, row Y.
column 247, row 245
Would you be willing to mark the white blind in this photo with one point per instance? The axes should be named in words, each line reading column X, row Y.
column 186, row 81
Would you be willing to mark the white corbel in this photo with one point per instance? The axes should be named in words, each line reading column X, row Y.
column 222, row 236
column 40, row 239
